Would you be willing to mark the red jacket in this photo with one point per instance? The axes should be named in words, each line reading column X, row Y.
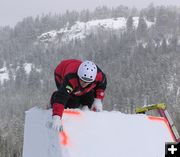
column 67, row 82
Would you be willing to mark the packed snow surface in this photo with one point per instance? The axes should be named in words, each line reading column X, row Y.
column 92, row 134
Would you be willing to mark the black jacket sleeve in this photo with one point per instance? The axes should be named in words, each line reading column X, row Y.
column 63, row 93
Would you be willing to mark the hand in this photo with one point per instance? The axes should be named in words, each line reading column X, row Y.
column 57, row 123
column 97, row 105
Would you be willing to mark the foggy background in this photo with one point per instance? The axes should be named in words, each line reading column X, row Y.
column 12, row 11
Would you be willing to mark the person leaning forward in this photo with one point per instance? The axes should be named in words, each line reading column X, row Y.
column 80, row 84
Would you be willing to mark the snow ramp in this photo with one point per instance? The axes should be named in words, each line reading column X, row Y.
column 92, row 134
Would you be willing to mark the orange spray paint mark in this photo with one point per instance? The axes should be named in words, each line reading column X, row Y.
column 64, row 138
column 63, row 135
column 71, row 112
column 161, row 119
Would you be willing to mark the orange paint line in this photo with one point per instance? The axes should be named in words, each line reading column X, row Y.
column 71, row 112
column 63, row 135
column 64, row 138
column 166, row 123
column 157, row 118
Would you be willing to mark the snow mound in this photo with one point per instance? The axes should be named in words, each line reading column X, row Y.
column 91, row 134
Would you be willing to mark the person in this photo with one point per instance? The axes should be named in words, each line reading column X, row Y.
column 79, row 84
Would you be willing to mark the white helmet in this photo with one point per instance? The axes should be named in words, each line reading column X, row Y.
column 87, row 71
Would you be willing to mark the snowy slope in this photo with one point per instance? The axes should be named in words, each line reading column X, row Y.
column 91, row 134
column 82, row 29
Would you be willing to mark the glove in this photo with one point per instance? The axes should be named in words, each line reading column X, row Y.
column 57, row 123
column 97, row 105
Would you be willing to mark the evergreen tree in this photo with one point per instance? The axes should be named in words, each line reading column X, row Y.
column 142, row 28
column 34, row 80
column 151, row 13
column 129, row 24
column 162, row 22
column 164, row 46
column 21, row 77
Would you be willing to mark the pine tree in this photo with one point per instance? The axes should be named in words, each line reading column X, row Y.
column 164, row 46
column 34, row 80
column 162, row 22
column 21, row 77
column 129, row 24
column 151, row 13
column 142, row 28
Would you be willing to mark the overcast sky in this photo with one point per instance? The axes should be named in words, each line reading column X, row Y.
column 12, row 11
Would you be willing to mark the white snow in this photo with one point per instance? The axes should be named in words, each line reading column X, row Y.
column 3, row 75
column 48, row 36
column 28, row 67
column 91, row 134
column 81, row 29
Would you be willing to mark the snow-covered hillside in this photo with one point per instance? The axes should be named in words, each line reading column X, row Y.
column 4, row 71
column 81, row 29
column 92, row 134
